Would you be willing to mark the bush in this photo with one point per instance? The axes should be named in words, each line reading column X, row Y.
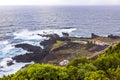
column 78, row 67
column 113, row 49
column 106, row 62
column 41, row 72
column 113, row 74
column 96, row 75
column 77, row 61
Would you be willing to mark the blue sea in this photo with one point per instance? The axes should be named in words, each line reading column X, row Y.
column 21, row 24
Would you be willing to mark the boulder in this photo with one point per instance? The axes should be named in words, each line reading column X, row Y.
column 64, row 62
column 9, row 63
column 65, row 34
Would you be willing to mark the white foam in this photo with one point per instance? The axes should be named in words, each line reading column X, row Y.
column 12, row 69
column 29, row 35
column 35, row 43
column 7, row 48
column 4, row 62
column 3, row 42
column 26, row 35
column 9, row 51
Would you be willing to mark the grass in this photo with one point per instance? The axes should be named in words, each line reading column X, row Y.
column 57, row 44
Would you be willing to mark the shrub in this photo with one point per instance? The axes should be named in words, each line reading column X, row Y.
column 77, row 61
column 41, row 72
column 106, row 62
column 96, row 75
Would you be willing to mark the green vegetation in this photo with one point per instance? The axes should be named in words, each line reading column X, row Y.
column 40, row 72
column 57, row 44
column 105, row 67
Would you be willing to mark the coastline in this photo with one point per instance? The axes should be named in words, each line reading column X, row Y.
column 57, row 49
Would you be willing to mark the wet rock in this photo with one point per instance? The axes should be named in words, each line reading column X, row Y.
column 55, row 36
column 10, row 62
column 28, row 57
column 1, row 67
column 65, row 34
column 29, row 47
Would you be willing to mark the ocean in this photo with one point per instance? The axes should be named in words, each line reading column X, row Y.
column 21, row 24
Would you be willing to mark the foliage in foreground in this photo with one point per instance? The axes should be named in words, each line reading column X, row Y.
column 106, row 67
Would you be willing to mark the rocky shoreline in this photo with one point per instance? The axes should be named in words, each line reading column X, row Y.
column 57, row 49
column 37, row 54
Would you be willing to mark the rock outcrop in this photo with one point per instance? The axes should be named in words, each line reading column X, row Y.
column 28, row 57
column 29, row 47
column 94, row 35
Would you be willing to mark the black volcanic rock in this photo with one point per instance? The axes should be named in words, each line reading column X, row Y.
column 52, row 39
column 36, row 55
column 28, row 57
column 10, row 63
column 50, row 35
column 29, row 47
